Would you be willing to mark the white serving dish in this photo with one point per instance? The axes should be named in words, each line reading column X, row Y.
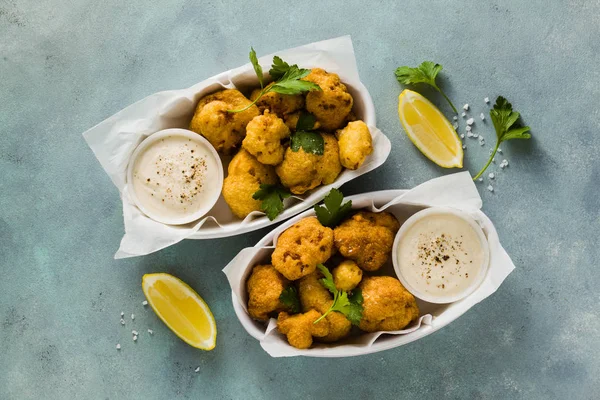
column 482, row 268
column 115, row 139
column 433, row 316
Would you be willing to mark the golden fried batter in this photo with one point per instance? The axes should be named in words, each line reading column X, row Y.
column 264, row 288
column 367, row 238
column 300, row 328
column 245, row 175
column 329, row 166
column 222, row 129
column 347, row 275
column 301, row 171
column 301, row 247
column 263, row 138
column 280, row 104
column 332, row 104
column 314, row 296
column 387, row 305
column 291, row 120
column 355, row 144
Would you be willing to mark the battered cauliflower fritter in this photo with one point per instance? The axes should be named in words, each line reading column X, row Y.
column 263, row 138
column 301, row 171
column 367, row 238
column 347, row 275
column 329, row 166
column 280, row 104
column 222, row 129
column 300, row 328
column 291, row 120
column 301, row 247
column 314, row 296
column 355, row 144
column 245, row 175
column 332, row 104
column 264, row 288
column 387, row 305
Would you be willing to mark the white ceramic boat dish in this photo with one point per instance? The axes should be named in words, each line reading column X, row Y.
column 433, row 316
column 115, row 139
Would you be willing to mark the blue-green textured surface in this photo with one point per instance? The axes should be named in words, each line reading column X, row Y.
column 67, row 65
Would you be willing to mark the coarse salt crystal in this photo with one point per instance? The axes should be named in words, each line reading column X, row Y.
column 491, row 175
column 150, row 331
column 122, row 314
column 464, row 114
column 499, row 150
column 462, row 135
column 468, row 128
column 122, row 321
column 132, row 316
column 487, row 99
column 490, row 188
column 135, row 333
column 455, row 118
column 480, row 179
column 470, row 121
column 118, row 346
column 502, row 165
column 464, row 146
column 455, row 126
column 466, row 107
column 135, row 338
column 481, row 142
column 505, row 162
column 144, row 303
column 197, row 369
column 469, row 134
column 493, row 159
column 475, row 135
column 482, row 116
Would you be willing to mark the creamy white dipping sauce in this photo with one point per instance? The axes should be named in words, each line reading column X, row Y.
column 440, row 255
column 175, row 177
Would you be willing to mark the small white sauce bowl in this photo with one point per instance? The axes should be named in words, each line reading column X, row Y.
column 418, row 216
column 155, row 137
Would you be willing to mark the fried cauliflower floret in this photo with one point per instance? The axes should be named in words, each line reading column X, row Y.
column 280, row 104
column 301, row 171
column 355, row 144
column 301, row 247
column 314, row 296
column 245, row 175
column 332, row 104
column 329, row 166
column 387, row 305
column 222, row 129
column 263, row 138
column 291, row 120
column 367, row 238
column 347, row 275
column 264, row 288
column 300, row 328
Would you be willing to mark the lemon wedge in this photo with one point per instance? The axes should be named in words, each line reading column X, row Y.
column 429, row 130
column 181, row 309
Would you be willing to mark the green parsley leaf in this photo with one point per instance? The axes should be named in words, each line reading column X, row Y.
column 311, row 142
column 334, row 211
column 424, row 73
column 306, row 121
column 289, row 297
column 287, row 79
column 350, row 306
column 257, row 68
column 272, row 199
column 278, row 68
column 503, row 117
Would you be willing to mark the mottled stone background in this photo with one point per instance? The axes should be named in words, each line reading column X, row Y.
column 65, row 65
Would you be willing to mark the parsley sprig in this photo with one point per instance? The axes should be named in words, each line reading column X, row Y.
column 289, row 297
column 287, row 79
column 424, row 73
column 503, row 118
column 333, row 212
column 272, row 197
column 350, row 306
column 305, row 138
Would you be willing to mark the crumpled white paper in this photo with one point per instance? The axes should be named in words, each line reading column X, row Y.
column 457, row 191
column 114, row 140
